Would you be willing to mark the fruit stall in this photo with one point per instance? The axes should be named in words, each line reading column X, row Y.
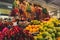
column 29, row 22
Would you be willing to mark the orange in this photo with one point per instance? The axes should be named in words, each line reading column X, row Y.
column 34, row 30
column 31, row 30
column 27, row 28
column 37, row 29
column 33, row 26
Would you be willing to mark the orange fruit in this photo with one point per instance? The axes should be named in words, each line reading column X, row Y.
column 33, row 27
column 34, row 30
column 37, row 29
column 27, row 28
column 31, row 30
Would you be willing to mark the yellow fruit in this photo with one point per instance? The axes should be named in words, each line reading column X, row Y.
column 41, row 23
column 44, row 21
column 41, row 27
column 35, row 37
column 40, row 32
column 39, row 36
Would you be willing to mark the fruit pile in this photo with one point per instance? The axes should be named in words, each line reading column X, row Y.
column 47, row 32
column 58, row 31
column 50, row 30
column 33, row 28
column 55, row 21
column 15, row 33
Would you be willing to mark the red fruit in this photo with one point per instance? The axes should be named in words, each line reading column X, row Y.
column 12, row 32
column 26, row 31
column 1, row 36
column 17, row 29
column 5, row 31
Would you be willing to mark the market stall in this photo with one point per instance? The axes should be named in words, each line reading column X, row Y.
column 29, row 22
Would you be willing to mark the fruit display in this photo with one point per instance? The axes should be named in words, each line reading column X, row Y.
column 47, row 32
column 33, row 28
column 15, row 33
column 55, row 21
column 29, row 25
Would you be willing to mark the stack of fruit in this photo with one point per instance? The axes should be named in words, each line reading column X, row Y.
column 47, row 32
column 33, row 28
column 58, row 33
column 15, row 33
column 55, row 21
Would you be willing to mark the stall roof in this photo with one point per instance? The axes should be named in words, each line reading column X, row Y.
column 55, row 2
